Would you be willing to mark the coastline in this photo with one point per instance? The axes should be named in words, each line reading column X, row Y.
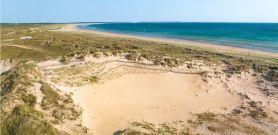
column 92, row 83
column 193, row 44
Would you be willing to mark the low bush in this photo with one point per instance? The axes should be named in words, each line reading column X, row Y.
column 133, row 55
column 25, row 120
column 272, row 75
column 29, row 99
column 51, row 97
column 97, row 54
column 94, row 79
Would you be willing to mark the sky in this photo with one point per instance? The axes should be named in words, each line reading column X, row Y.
column 35, row 11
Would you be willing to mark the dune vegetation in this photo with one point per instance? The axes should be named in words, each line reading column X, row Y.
column 31, row 104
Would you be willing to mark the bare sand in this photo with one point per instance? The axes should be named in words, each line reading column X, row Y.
column 155, row 98
column 209, row 46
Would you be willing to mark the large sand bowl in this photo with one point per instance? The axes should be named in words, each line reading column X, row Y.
column 155, row 98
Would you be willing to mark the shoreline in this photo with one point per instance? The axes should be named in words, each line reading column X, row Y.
column 185, row 43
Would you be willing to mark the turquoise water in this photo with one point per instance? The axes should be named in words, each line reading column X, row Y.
column 257, row 36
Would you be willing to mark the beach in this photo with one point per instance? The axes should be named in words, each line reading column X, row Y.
column 208, row 46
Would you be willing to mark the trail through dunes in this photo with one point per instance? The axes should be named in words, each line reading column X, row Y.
column 21, row 46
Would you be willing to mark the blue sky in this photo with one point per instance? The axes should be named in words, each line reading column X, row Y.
column 139, row 10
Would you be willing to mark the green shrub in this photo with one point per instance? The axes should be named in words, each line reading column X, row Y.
column 148, row 56
column 259, row 67
column 97, row 54
column 272, row 75
column 211, row 128
column 64, row 60
column 25, row 120
column 51, row 97
column 29, row 99
column 128, row 132
column 9, row 79
column 94, row 79
column 133, row 55
column 205, row 117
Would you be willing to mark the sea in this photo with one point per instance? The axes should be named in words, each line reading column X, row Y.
column 255, row 36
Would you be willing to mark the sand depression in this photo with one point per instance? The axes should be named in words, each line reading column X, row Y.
column 155, row 98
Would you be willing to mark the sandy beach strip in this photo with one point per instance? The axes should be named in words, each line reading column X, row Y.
column 209, row 46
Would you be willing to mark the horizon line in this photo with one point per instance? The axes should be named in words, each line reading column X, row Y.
column 127, row 22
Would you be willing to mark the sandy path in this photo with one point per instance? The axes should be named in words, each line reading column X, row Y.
column 155, row 98
column 215, row 47
column 21, row 46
